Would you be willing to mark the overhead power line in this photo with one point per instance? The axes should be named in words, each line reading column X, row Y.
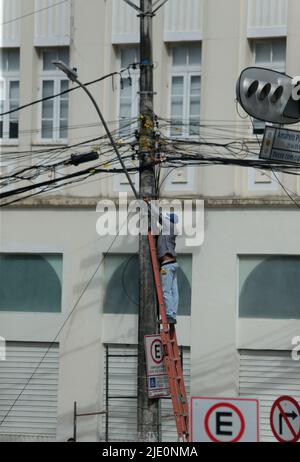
column 133, row 5
column 112, row 74
column 33, row 13
column 159, row 6
column 75, row 127
column 88, row 171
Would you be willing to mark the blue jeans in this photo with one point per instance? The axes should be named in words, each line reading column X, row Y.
column 168, row 275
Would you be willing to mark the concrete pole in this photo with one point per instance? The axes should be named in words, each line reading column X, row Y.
column 147, row 409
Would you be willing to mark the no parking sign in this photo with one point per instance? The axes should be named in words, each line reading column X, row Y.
column 158, row 386
column 224, row 420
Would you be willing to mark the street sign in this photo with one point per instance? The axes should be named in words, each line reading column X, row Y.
column 224, row 420
column 281, row 145
column 158, row 385
column 285, row 419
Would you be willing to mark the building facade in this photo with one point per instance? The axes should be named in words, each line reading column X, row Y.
column 239, row 293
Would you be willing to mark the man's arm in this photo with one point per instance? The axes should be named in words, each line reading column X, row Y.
column 156, row 216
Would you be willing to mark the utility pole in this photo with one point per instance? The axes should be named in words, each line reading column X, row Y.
column 148, row 409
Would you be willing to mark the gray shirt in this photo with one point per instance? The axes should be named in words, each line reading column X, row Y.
column 166, row 245
column 166, row 242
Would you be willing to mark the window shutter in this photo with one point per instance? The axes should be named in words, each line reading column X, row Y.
column 34, row 415
column 266, row 375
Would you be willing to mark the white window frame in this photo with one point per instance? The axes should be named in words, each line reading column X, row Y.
column 120, row 183
column 258, row 124
column 7, row 78
column 267, row 64
column 135, row 88
column 57, row 77
column 187, row 72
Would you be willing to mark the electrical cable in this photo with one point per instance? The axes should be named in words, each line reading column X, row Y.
column 72, row 175
column 89, row 171
column 69, row 90
column 67, row 185
column 32, row 13
column 123, row 280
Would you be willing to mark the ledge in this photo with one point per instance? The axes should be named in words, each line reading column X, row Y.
column 65, row 202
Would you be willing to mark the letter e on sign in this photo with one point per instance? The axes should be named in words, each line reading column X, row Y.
column 157, row 351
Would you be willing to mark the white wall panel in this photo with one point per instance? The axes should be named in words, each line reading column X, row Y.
column 10, row 11
column 183, row 20
column 125, row 23
column 52, row 23
column 266, row 375
column 267, row 18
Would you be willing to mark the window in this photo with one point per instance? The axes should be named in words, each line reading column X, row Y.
column 270, row 54
column 259, row 180
column 269, row 287
column 30, row 282
column 9, row 92
column 54, row 119
column 185, row 90
column 129, row 98
column 122, row 289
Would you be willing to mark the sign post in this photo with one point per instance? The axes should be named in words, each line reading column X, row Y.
column 224, row 420
column 285, row 419
column 158, row 386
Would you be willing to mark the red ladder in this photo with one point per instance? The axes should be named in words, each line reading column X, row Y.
column 171, row 355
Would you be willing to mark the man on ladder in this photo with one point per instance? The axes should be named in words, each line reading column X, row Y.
column 166, row 254
column 165, row 278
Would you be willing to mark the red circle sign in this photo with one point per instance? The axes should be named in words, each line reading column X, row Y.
column 236, row 411
column 154, row 351
column 284, row 419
